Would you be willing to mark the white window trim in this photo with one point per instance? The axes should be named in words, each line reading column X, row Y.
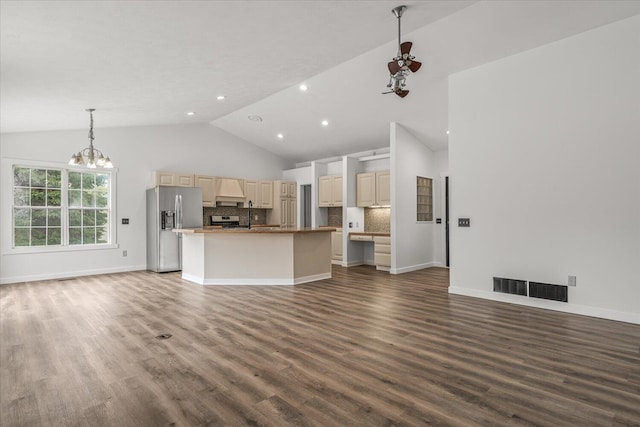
column 6, row 223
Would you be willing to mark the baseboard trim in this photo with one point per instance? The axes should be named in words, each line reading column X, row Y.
column 620, row 316
column 66, row 275
column 413, row 268
column 255, row 282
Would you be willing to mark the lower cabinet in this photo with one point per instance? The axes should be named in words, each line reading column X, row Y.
column 336, row 246
column 382, row 251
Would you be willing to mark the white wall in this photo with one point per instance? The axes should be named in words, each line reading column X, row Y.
column 412, row 242
column 136, row 152
column 545, row 159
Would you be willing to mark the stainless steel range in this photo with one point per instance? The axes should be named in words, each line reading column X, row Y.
column 231, row 221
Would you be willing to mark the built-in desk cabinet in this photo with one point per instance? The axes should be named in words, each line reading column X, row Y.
column 330, row 191
column 373, row 189
column 382, row 251
column 173, row 179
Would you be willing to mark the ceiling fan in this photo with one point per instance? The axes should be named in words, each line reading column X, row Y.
column 403, row 63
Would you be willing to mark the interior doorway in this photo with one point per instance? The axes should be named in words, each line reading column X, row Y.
column 305, row 215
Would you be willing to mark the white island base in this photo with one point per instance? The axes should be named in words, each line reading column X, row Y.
column 256, row 257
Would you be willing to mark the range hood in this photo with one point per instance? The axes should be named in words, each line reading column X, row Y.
column 229, row 191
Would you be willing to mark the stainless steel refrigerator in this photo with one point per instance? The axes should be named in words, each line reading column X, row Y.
column 169, row 208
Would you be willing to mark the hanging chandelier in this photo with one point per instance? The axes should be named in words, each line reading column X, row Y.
column 94, row 157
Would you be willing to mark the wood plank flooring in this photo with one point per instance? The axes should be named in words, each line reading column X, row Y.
column 363, row 349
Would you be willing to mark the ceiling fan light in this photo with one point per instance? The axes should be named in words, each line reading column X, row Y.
column 107, row 163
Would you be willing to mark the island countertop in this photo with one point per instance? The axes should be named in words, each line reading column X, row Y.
column 256, row 230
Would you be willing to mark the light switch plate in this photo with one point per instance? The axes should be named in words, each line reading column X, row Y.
column 464, row 222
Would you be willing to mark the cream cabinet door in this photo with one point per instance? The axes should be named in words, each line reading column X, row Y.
column 336, row 191
column 383, row 188
column 184, row 180
column 336, row 245
column 251, row 193
column 206, row 183
column 365, row 189
column 284, row 212
column 173, row 179
column 265, row 191
column 291, row 213
column 165, row 178
column 324, row 191
column 293, row 186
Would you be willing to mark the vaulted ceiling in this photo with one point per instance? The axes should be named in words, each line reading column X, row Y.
column 150, row 62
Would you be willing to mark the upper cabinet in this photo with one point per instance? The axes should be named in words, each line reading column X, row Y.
column 383, row 188
column 206, row 183
column 330, row 191
column 260, row 193
column 365, row 189
column 173, row 179
column 373, row 189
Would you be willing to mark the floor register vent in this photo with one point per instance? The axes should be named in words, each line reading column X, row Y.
column 547, row 291
column 510, row 286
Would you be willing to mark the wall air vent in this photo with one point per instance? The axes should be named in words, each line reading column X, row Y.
column 547, row 291
column 510, row 286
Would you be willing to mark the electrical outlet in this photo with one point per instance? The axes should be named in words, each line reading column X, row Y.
column 464, row 222
column 125, row 221
column 572, row 281
column 255, row 218
column 350, row 225
column 124, row 253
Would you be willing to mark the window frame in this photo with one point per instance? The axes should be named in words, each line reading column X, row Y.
column 7, row 208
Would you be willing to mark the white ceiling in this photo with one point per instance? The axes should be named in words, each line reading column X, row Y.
column 149, row 62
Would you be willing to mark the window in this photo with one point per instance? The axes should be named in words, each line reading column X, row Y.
column 424, row 203
column 37, row 207
column 58, row 207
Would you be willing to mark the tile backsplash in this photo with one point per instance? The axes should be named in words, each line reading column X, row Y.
column 243, row 213
column 377, row 220
column 335, row 217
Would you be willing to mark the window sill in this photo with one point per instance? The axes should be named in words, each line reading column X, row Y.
column 53, row 249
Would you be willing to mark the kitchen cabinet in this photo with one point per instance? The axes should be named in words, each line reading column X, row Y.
column 373, row 189
column 174, row 179
column 383, row 188
column 330, row 191
column 287, row 188
column 284, row 210
column 260, row 193
column 382, row 252
column 336, row 245
column 206, row 184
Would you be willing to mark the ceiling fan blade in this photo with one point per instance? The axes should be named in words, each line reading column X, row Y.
column 402, row 93
column 384, row 93
column 415, row 66
column 393, row 67
column 405, row 47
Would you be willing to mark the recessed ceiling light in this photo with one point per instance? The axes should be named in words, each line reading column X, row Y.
column 447, row 131
column 325, row 123
column 220, row 97
column 191, row 113
column 303, row 87
column 254, row 118
column 280, row 136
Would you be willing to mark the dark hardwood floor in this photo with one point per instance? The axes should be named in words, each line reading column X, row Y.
column 363, row 349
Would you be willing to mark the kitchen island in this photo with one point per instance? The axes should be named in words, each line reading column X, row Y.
column 257, row 256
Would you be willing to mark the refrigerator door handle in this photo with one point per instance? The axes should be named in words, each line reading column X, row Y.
column 178, row 209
